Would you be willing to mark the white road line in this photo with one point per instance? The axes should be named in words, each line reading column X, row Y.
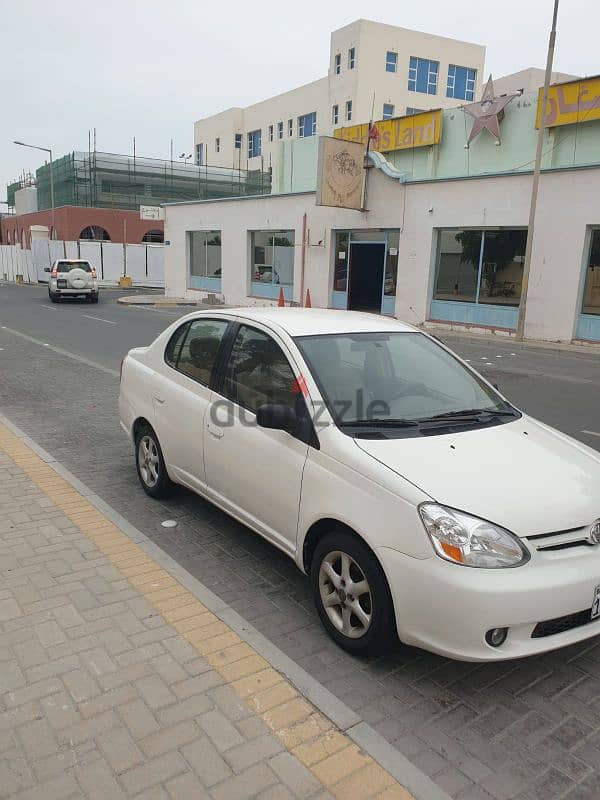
column 591, row 433
column 48, row 308
column 108, row 321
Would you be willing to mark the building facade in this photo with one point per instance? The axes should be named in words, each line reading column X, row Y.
column 443, row 238
column 374, row 69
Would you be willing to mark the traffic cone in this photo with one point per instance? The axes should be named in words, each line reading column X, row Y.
column 308, row 304
column 281, row 301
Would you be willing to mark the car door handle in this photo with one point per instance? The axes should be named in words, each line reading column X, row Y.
column 215, row 430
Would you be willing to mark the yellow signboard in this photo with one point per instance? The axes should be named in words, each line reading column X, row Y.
column 400, row 133
column 568, row 103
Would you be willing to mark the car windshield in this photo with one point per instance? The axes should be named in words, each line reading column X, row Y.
column 395, row 378
column 67, row 266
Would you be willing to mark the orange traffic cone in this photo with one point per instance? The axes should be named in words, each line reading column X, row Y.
column 308, row 304
column 281, row 301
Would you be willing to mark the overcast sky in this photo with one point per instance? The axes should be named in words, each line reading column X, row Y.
column 149, row 68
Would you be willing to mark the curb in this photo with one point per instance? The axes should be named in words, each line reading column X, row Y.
column 341, row 715
column 152, row 300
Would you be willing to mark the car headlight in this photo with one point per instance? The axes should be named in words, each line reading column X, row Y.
column 470, row 541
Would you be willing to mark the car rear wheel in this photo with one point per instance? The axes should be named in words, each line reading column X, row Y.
column 151, row 464
column 352, row 595
column 53, row 298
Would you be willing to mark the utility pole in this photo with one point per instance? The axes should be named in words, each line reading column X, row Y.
column 520, row 331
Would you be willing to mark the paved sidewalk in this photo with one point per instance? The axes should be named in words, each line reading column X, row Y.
column 115, row 682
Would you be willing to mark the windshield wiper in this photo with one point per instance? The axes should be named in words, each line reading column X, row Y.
column 379, row 422
column 471, row 413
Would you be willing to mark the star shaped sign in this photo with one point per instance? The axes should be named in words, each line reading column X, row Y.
column 488, row 112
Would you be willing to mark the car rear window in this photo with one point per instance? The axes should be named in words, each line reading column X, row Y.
column 67, row 266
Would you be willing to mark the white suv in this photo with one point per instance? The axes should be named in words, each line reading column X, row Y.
column 417, row 498
column 73, row 277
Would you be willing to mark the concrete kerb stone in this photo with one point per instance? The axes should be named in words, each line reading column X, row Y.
column 342, row 716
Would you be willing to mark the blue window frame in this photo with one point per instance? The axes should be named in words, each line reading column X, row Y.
column 238, row 141
column 254, row 144
column 307, row 124
column 351, row 57
column 388, row 110
column 423, row 75
column 200, row 154
column 391, row 61
column 461, row 82
column 337, row 63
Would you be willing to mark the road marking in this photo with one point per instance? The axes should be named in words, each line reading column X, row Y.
column 591, row 433
column 47, row 307
column 108, row 321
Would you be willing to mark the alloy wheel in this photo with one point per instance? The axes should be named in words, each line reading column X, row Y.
column 345, row 594
column 148, row 461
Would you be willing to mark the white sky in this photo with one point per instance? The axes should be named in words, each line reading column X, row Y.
column 150, row 68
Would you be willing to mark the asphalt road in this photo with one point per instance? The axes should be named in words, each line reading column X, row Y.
column 525, row 729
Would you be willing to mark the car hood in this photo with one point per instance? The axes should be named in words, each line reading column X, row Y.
column 522, row 475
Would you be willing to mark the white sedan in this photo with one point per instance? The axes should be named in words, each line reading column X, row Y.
column 420, row 501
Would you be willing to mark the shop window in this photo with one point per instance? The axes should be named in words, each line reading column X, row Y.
column 422, row 75
column 591, row 292
column 205, row 254
column 94, row 233
column 272, row 261
column 476, row 266
column 461, row 83
column 340, row 270
column 155, row 236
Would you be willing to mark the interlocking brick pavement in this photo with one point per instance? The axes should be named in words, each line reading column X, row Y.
column 115, row 682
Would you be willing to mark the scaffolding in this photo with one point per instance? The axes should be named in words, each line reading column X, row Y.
column 109, row 180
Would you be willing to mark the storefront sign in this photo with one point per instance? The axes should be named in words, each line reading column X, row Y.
column 152, row 212
column 340, row 174
column 401, row 133
column 568, row 103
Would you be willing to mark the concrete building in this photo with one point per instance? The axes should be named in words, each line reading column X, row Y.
column 443, row 239
column 371, row 65
column 528, row 80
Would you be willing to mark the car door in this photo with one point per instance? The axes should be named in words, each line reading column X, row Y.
column 256, row 473
column 181, row 394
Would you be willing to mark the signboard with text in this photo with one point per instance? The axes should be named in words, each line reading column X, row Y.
column 400, row 133
column 152, row 212
column 569, row 103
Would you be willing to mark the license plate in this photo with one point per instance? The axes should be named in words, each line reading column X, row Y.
column 61, row 284
column 595, row 612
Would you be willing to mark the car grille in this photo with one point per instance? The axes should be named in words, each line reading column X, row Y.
column 560, row 540
column 561, row 624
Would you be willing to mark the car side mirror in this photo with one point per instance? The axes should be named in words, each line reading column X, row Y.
column 277, row 416
column 47, row 269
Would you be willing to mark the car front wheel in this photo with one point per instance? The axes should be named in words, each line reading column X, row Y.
column 351, row 594
column 151, row 464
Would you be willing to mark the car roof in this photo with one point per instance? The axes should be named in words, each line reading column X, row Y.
column 313, row 321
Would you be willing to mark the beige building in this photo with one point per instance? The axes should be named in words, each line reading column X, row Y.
column 391, row 70
column 528, row 80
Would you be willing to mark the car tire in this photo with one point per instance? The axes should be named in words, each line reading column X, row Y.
column 53, row 297
column 94, row 298
column 361, row 570
column 150, row 464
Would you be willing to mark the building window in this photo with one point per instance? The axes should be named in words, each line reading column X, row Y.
column 351, row 57
column 280, row 130
column 337, row 63
column 254, row 144
column 272, row 261
column 155, row 236
column 476, row 266
column 422, row 75
column 391, row 61
column 410, row 111
column 205, row 257
column 238, row 141
column 217, row 145
column 290, row 127
column 348, row 110
column 335, row 114
column 199, row 154
column 95, row 233
column 461, row 83
column 270, row 133
column 307, row 125
column 591, row 292
column 388, row 110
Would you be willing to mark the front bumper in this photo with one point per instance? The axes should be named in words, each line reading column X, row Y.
column 447, row 608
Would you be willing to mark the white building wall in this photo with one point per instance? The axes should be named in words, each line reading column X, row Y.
column 528, row 80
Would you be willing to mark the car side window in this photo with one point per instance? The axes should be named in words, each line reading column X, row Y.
column 258, row 372
column 173, row 348
column 198, row 351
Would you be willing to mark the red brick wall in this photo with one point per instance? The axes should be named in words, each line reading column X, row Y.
column 71, row 220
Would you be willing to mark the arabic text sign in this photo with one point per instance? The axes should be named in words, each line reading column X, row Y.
column 401, row 133
column 568, row 103
column 151, row 212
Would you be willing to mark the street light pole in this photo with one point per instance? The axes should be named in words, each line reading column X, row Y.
column 45, row 150
column 520, row 331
